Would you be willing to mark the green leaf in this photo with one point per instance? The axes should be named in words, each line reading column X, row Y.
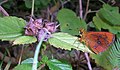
column 38, row 3
column 69, row 22
column 25, row 40
column 54, row 64
column 118, row 35
column 102, row 60
column 7, row 4
column 29, row 60
column 110, row 14
column 108, row 18
column 101, row 24
column 67, row 42
column 114, row 54
column 23, row 67
column 90, row 24
column 10, row 37
column 11, row 27
column 111, row 9
column 44, row 59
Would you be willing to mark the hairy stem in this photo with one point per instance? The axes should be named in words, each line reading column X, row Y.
column 35, row 60
column 32, row 11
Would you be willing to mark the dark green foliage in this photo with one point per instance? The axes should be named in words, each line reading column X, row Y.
column 55, row 64
column 11, row 28
column 108, row 18
column 114, row 54
column 23, row 67
column 69, row 22
column 38, row 3
column 101, row 60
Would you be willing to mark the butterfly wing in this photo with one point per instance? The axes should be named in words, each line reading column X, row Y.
column 99, row 41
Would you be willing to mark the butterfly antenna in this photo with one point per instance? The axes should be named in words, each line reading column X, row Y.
column 75, row 41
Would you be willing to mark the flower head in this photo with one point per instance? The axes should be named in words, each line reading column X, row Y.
column 38, row 27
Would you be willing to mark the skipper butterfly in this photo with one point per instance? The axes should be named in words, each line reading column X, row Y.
column 97, row 41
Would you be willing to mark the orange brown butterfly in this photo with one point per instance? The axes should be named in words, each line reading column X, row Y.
column 97, row 41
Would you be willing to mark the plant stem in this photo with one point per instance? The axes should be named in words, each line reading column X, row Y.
column 32, row 11
column 88, row 61
column 43, row 65
column 80, row 10
column 3, row 11
column 35, row 60
column 4, row 1
column 21, row 54
column 86, row 54
column 86, row 9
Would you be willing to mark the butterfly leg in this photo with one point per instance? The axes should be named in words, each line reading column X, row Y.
column 75, row 41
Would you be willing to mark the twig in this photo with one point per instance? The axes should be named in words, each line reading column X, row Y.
column 3, row 11
column 92, row 11
column 3, row 2
column 80, row 10
column 21, row 54
column 7, row 66
column 86, row 54
column 48, row 13
column 32, row 11
column 43, row 65
column 88, row 61
column 63, row 3
column 86, row 10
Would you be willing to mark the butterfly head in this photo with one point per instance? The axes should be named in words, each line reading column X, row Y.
column 82, row 35
column 82, row 32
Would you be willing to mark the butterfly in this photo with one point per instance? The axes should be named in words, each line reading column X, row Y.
column 96, row 41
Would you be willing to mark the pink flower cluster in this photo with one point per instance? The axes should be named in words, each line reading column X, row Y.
column 38, row 27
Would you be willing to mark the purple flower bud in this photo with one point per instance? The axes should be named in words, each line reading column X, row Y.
column 31, row 31
column 51, row 26
column 38, row 27
column 38, row 23
column 41, row 32
column 33, row 26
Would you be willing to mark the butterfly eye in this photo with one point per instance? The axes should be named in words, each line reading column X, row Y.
column 80, row 32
